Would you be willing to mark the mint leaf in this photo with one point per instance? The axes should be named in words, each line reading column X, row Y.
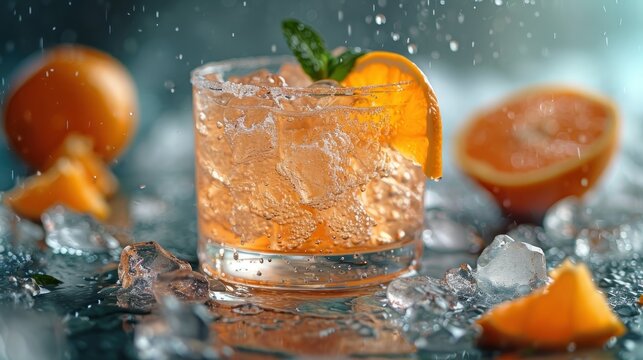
column 340, row 66
column 45, row 280
column 308, row 47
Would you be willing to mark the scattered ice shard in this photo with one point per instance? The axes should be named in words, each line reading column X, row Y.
column 466, row 202
column 510, row 267
column 30, row 335
column 181, row 331
column 70, row 232
column 144, row 262
column 603, row 228
column 461, row 281
column 17, row 231
column 185, row 285
column 406, row 292
column 444, row 234
column 18, row 292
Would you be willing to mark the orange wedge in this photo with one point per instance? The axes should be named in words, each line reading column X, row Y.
column 416, row 122
column 64, row 183
column 539, row 146
column 80, row 148
column 571, row 310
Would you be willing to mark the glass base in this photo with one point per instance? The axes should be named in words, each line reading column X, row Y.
column 309, row 272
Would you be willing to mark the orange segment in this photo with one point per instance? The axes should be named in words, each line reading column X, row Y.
column 416, row 123
column 539, row 146
column 570, row 310
column 64, row 183
column 80, row 148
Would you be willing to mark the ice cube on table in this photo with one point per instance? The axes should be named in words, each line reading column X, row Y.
column 144, row 262
column 181, row 331
column 510, row 268
column 73, row 233
column 185, row 285
column 443, row 233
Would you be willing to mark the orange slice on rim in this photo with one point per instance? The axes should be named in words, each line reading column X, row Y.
column 416, row 122
column 539, row 146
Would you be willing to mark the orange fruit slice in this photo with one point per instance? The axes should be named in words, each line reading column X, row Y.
column 569, row 310
column 539, row 146
column 416, row 123
column 64, row 183
column 80, row 148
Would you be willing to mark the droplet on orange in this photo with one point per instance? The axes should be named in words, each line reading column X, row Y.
column 65, row 183
column 80, row 148
column 416, row 124
column 539, row 146
column 70, row 89
column 570, row 310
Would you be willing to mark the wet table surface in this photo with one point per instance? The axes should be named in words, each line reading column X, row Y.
column 90, row 320
column 84, row 318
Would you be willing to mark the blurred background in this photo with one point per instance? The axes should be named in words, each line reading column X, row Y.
column 474, row 51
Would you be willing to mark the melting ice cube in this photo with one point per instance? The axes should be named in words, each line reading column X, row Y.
column 144, row 262
column 70, row 232
column 511, row 267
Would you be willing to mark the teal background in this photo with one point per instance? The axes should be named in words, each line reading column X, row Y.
column 501, row 46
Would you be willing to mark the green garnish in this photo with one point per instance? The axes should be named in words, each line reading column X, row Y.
column 310, row 50
column 45, row 280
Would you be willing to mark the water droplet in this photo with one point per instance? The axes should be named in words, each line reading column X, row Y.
column 584, row 182
column 380, row 19
column 395, row 36
column 453, row 45
column 176, row 29
column 498, row 2
column 412, row 49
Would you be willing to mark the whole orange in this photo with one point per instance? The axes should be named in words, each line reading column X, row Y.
column 70, row 89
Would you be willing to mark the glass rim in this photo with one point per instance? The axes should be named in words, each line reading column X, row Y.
column 198, row 78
